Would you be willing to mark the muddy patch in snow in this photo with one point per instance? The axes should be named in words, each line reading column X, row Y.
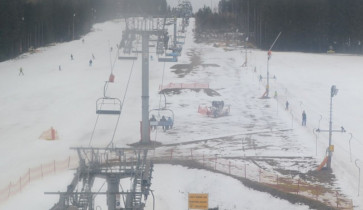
column 195, row 61
column 177, row 91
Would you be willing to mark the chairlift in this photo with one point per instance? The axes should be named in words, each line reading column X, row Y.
column 179, row 42
column 174, row 54
column 127, row 52
column 158, row 114
column 128, row 55
column 176, row 49
column 107, row 105
column 168, row 59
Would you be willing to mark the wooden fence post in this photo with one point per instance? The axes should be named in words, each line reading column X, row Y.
column 229, row 167
column 215, row 163
column 298, row 186
column 337, row 199
column 203, row 159
column 9, row 190
column 259, row 175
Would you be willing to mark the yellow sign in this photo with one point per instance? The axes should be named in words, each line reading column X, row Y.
column 331, row 148
column 198, row 201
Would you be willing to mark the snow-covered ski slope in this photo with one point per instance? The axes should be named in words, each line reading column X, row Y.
column 65, row 99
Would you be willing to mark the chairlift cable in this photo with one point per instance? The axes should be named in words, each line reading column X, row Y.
column 162, row 83
column 105, row 90
column 122, row 104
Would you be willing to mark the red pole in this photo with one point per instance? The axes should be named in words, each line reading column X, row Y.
column 140, row 130
column 52, row 133
column 9, row 190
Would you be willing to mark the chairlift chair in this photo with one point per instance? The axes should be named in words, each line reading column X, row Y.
column 168, row 59
column 158, row 114
column 127, row 52
column 110, row 106
column 107, row 105
column 128, row 55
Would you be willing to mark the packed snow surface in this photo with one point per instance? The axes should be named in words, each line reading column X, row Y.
column 65, row 98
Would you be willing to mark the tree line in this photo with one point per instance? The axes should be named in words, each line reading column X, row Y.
column 306, row 25
column 28, row 24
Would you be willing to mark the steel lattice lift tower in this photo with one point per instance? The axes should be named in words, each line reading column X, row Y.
column 114, row 164
column 111, row 164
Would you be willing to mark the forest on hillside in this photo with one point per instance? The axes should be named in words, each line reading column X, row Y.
column 28, row 24
column 306, row 25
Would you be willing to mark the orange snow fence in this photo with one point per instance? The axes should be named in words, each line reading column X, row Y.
column 50, row 134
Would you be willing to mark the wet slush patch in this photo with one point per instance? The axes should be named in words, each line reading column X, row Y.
column 177, row 91
column 195, row 61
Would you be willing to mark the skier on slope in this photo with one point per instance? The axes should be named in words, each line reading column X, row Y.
column 303, row 118
column 21, row 71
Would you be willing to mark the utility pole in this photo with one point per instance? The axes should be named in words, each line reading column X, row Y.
column 145, row 29
column 145, row 134
column 266, row 94
column 333, row 92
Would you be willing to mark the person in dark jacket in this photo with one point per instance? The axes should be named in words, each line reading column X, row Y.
column 303, row 118
column 153, row 119
column 163, row 122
